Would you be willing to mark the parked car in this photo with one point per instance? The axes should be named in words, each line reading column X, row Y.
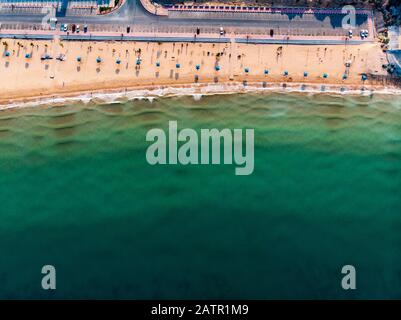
column 364, row 33
column 53, row 23
column 350, row 33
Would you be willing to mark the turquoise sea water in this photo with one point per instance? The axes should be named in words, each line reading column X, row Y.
column 76, row 192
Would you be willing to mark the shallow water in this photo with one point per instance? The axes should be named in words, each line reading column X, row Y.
column 76, row 192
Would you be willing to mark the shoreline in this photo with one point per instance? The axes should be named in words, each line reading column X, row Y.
column 77, row 68
column 197, row 90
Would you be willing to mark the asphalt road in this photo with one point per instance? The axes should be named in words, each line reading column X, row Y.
column 132, row 13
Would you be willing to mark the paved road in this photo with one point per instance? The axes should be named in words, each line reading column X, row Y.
column 394, row 52
column 132, row 13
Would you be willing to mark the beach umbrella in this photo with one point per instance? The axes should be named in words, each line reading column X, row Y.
column 27, row 55
column 118, row 61
column 197, row 66
column 305, row 74
column 345, row 76
column 98, row 59
column 79, row 59
column 364, row 77
column 286, row 73
column 177, row 65
column 217, row 68
column 157, row 64
column 7, row 53
column 266, row 71
column 138, row 62
column 246, row 70
column 325, row 75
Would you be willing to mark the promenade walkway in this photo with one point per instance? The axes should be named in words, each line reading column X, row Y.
column 179, row 37
column 261, row 9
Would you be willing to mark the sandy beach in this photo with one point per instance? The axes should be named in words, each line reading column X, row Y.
column 93, row 66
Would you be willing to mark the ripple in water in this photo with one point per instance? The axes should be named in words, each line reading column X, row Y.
column 325, row 191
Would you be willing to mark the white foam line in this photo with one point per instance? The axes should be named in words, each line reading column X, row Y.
column 199, row 90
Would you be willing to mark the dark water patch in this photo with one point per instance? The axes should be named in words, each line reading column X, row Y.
column 7, row 121
column 63, row 132
column 62, row 119
column 60, row 126
column 5, row 130
column 114, row 108
column 4, row 133
column 154, row 111
column 65, row 144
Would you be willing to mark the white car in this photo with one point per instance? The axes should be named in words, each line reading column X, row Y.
column 364, row 33
column 77, row 29
column 221, row 31
column 52, row 23
column 350, row 33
